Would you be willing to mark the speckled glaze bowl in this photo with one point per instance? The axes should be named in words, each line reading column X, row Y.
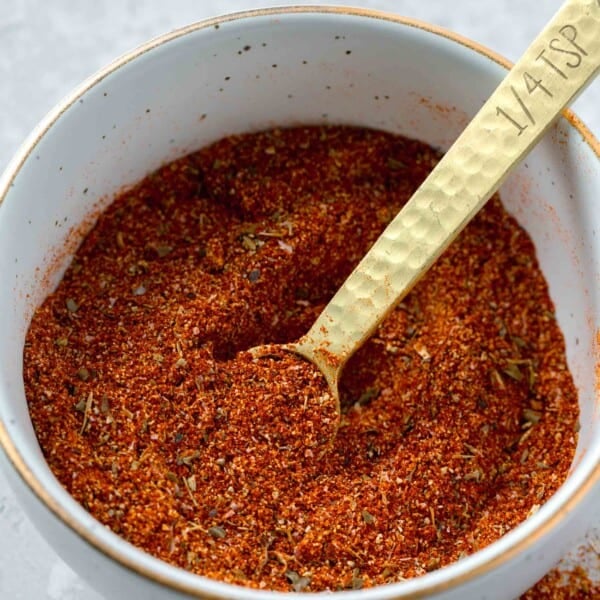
column 283, row 67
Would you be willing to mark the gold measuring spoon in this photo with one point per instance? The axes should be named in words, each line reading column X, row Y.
column 558, row 65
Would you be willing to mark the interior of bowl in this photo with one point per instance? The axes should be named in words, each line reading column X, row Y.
column 243, row 74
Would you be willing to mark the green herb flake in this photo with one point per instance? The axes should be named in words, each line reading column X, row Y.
column 367, row 517
column 357, row 583
column 83, row 374
column 162, row 251
column 395, row 164
column 532, row 416
column 513, row 371
column 368, row 395
column 217, row 531
column 71, row 305
column 299, row 582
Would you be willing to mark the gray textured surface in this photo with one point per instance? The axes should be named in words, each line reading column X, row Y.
column 49, row 46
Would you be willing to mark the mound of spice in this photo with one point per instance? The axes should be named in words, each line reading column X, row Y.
column 459, row 416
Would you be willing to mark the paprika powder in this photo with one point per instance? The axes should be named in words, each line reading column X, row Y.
column 459, row 416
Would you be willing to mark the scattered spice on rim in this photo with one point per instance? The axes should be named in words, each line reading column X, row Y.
column 564, row 584
column 576, row 577
column 459, row 416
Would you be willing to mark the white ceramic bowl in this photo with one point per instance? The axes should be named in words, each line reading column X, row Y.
column 282, row 67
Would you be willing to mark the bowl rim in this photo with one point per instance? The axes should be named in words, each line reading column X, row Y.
column 169, row 578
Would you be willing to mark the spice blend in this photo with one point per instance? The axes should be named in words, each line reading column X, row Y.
column 558, row 584
column 577, row 575
column 459, row 415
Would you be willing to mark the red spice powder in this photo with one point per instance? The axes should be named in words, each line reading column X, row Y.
column 459, row 415
column 576, row 577
column 570, row 584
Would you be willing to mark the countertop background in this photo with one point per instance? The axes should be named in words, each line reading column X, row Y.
column 47, row 47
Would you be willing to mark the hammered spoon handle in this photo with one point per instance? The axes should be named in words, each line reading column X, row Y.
column 560, row 62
